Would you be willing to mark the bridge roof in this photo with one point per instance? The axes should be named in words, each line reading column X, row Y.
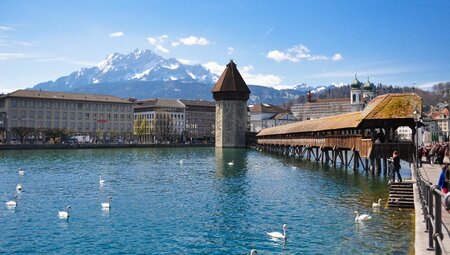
column 384, row 107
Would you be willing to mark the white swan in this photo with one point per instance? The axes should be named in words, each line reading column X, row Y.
column 231, row 163
column 100, row 180
column 12, row 203
column 253, row 252
column 107, row 205
column 361, row 218
column 181, row 162
column 278, row 234
column 64, row 214
column 377, row 205
column 21, row 172
column 19, row 187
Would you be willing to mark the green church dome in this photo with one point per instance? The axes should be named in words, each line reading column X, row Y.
column 368, row 86
column 356, row 84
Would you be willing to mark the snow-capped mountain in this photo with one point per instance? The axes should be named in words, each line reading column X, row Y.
column 143, row 74
column 140, row 65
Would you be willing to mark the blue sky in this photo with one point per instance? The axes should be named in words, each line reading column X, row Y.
column 274, row 43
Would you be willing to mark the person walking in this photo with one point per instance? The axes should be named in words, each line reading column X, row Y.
column 396, row 166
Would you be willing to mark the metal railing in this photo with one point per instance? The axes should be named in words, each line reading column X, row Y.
column 432, row 198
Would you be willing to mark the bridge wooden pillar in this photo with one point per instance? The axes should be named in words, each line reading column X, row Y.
column 385, row 167
column 355, row 160
column 345, row 158
column 378, row 165
column 372, row 165
column 317, row 154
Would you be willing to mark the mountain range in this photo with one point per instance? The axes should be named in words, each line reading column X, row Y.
column 143, row 74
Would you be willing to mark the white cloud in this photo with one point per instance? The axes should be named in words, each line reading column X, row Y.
column 278, row 56
column 428, row 85
column 117, row 34
column 5, row 28
column 230, row 50
column 337, row 57
column 158, row 43
column 215, row 67
column 318, row 57
column 191, row 40
column 157, row 40
column 14, row 56
column 294, row 54
column 161, row 48
column 187, row 61
column 269, row 80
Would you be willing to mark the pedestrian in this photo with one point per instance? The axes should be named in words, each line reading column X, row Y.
column 443, row 179
column 419, row 156
column 396, row 166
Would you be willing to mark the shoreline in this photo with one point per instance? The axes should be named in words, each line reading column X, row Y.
column 95, row 146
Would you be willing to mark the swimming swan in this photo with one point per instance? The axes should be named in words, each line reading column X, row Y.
column 106, row 205
column 12, row 203
column 377, row 205
column 361, row 218
column 278, row 234
column 64, row 214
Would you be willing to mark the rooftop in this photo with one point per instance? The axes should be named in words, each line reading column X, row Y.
column 389, row 106
column 37, row 94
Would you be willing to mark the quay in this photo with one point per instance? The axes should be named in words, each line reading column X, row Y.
column 430, row 173
column 98, row 146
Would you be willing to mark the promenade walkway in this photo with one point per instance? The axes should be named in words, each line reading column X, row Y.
column 431, row 172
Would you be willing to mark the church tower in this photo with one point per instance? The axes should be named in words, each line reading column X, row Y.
column 355, row 92
column 231, row 95
column 368, row 90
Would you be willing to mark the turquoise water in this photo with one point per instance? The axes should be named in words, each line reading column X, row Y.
column 203, row 206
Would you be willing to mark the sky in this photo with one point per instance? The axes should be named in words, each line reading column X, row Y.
column 274, row 43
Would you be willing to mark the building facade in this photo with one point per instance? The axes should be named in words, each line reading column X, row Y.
column 159, row 121
column 268, row 115
column 200, row 121
column 96, row 116
column 360, row 95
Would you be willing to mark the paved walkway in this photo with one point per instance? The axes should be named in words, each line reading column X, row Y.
column 431, row 172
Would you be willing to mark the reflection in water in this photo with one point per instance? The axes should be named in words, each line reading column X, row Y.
column 203, row 206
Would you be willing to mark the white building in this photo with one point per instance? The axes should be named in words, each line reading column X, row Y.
column 267, row 115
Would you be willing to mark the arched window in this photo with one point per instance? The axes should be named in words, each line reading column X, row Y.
column 354, row 98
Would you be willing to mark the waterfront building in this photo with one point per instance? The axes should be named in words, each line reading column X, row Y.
column 200, row 120
column 268, row 115
column 96, row 116
column 159, row 120
column 231, row 94
column 360, row 95
column 437, row 122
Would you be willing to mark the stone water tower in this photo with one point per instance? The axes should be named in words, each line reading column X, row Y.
column 231, row 95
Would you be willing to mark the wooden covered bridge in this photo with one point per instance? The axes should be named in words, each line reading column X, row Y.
column 365, row 138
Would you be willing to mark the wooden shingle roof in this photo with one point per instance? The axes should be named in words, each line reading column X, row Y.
column 389, row 106
column 231, row 85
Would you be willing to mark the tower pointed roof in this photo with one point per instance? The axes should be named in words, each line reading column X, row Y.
column 231, row 85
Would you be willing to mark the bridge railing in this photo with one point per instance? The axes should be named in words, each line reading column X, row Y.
column 432, row 198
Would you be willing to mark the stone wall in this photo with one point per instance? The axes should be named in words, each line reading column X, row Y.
column 231, row 123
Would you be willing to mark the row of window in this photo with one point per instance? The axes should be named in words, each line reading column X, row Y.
column 150, row 116
column 71, row 115
column 72, row 125
column 70, row 105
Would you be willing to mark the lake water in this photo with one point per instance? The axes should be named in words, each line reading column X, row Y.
column 203, row 206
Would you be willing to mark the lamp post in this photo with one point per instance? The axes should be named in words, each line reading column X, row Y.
column 416, row 115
